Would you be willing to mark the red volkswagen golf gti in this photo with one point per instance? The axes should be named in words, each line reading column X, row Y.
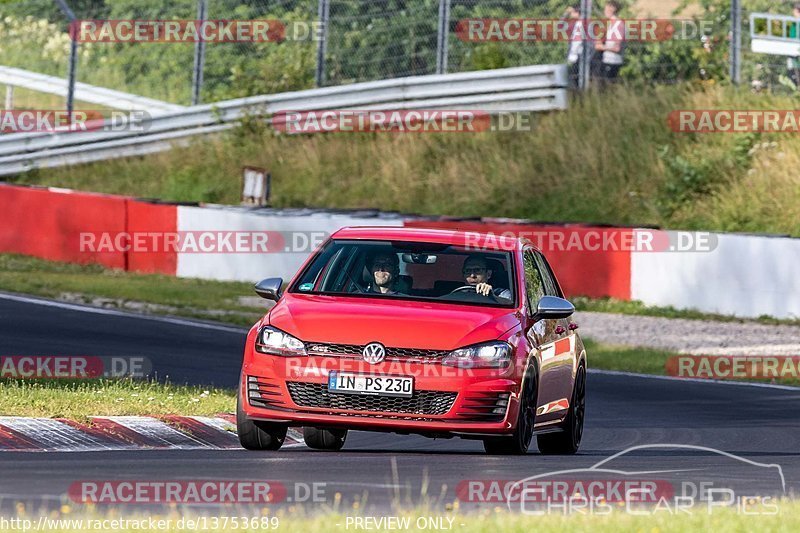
column 430, row 332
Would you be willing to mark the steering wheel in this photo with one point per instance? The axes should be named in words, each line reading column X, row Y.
column 465, row 288
column 473, row 289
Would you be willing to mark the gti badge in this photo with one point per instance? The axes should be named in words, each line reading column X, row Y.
column 374, row 353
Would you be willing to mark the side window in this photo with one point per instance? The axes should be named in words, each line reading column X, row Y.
column 533, row 281
column 550, row 285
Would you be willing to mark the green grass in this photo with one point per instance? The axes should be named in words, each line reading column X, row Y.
column 611, row 305
column 611, row 158
column 80, row 399
column 646, row 361
column 191, row 298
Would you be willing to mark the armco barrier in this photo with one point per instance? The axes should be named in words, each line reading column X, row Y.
column 529, row 89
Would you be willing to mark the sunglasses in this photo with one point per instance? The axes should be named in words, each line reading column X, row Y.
column 476, row 270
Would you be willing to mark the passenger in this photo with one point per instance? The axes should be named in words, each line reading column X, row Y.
column 477, row 273
column 384, row 267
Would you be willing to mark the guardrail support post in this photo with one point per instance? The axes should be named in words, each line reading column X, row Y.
column 736, row 42
column 585, row 68
column 199, row 55
column 73, row 57
column 323, row 13
column 9, row 98
column 443, row 33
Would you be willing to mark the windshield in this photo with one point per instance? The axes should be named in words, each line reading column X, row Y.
column 403, row 270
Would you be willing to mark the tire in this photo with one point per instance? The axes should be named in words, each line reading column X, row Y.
column 568, row 441
column 519, row 442
column 255, row 435
column 324, row 439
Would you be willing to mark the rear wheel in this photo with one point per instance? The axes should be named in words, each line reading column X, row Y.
column 568, row 441
column 256, row 435
column 519, row 442
column 324, row 439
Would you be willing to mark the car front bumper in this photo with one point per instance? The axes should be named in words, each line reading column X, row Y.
column 446, row 400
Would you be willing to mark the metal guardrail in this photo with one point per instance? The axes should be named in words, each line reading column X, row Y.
column 17, row 77
column 535, row 88
column 775, row 34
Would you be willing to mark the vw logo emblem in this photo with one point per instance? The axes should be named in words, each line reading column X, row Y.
column 374, row 353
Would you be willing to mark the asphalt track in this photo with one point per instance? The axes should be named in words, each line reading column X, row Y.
column 755, row 424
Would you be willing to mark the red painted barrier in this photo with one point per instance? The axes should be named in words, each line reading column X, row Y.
column 69, row 226
column 583, row 258
column 145, row 217
column 48, row 224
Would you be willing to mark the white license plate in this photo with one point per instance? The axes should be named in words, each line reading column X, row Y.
column 343, row 383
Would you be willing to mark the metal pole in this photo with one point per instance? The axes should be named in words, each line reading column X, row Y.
column 323, row 13
column 443, row 34
column 736, row 42
column 73, row 57
column 199, row 55
column 585, row 68
column 9, row 97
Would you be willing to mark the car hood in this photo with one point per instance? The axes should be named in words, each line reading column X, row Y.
column 394, row 323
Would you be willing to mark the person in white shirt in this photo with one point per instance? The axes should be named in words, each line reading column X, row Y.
column 576, row 42
column 611, row 46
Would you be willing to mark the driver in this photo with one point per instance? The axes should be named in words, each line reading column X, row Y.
column 477, row 273
column 384, row 268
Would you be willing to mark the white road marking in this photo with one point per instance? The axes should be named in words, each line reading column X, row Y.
column 695, row 380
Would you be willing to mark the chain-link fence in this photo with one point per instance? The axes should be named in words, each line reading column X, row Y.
column 332, row 42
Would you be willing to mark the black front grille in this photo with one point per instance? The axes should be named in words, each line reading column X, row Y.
column 484, row 406
column 320, row 348
column 421, row 403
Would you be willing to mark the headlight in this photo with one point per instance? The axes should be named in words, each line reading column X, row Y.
column 489, row 355
column 275, row 342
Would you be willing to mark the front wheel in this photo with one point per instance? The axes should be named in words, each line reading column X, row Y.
column 324, row 439
column 254, row 435
column 568, row 441
column 519, row 442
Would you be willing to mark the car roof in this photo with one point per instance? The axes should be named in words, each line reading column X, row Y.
column 478, row 240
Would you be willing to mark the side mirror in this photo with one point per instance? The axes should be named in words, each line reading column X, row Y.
column 269, row 289
column 552, row 308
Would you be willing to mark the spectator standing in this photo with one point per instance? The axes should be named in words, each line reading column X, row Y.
column 576, row 43
column 793, row 63
column 612, row 44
